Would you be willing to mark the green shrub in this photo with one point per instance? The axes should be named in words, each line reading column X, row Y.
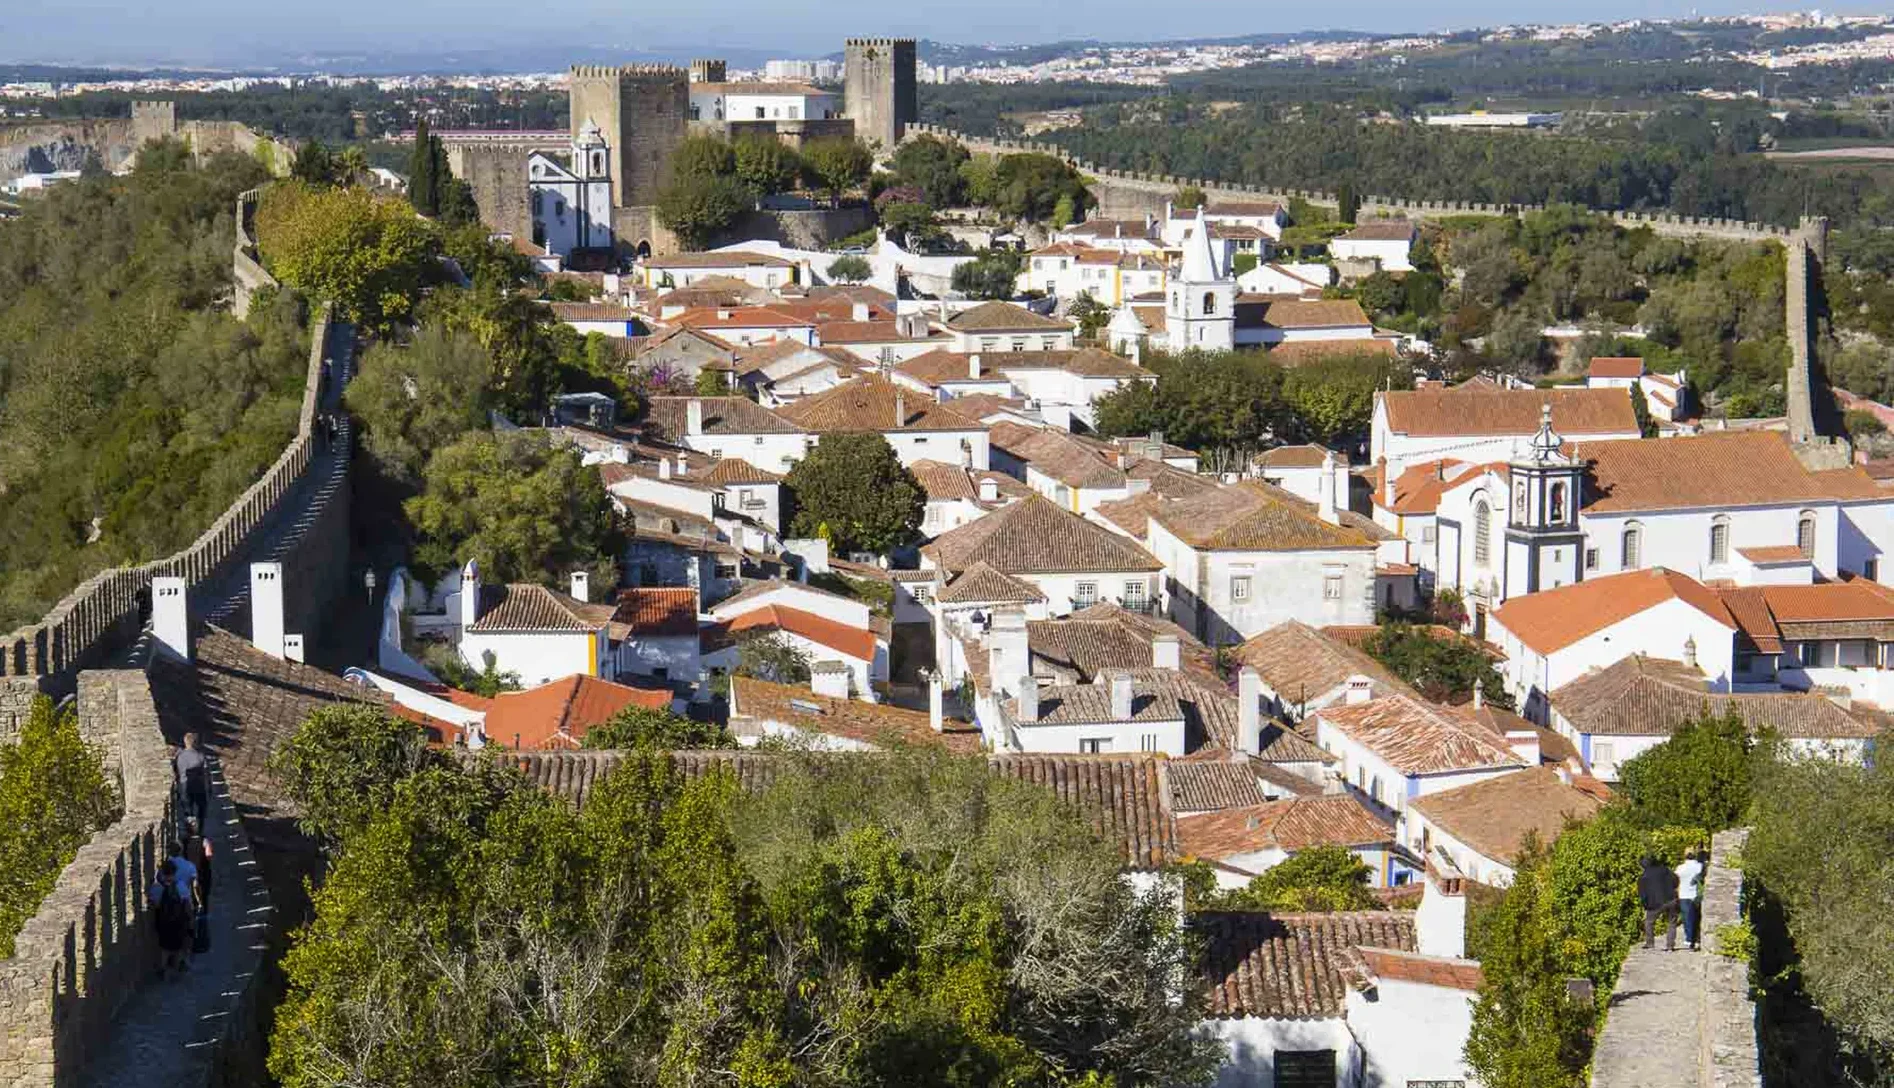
column 54, row 796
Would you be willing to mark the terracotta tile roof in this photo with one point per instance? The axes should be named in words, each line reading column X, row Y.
column 658, row 613
column 1484, row 410
column 1243, row 208
column 1236, row 231
column 859, row 332
column 676, row 331
column 735, row 470
column 1382, row 230
column 1731, row 468
column 1210, row 710
column 557, row 715
column 1290, row 825
column 1306, row 456
column 1389, row 965
column 1300, row 663
column 1212, row 785
column 1292, row 966
column 1004, row 317
column 855, row 642
column 1111, row 228
column 981, row 584
column 1494, row 815
column 1033, row 536
column 743, row 317
column 524, row 606
column 1553, row 619
column 877, row 724
column 853, row 292
column 1254, row 516
column 1057, row 454
column 1816, row 611
column 1303, row 352
column 1124, row 797
column 982, row 405
column 1087, row 704
column 1416, row 738
column 1133, row 515
column 755, row 589
column 944, row 482
column 1642, row 696
column 1169, row 481
column 1195, row 654
column 871, row 403
column 1773, row 553
column 1617, row 367
column 722, row 415
column 726, row 258
column 1418, row 489
column 1308, row 313
column 591, row 311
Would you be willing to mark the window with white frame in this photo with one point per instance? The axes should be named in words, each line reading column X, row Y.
column 1332, row 587
column 1094, row 745
column 1720, row 540
column 1240, row 587
column 1805, row 534
column 1085, row 594
column 1603, row 752
column 1591, row 558
column 1633, row 546
column 1147, row 742
column 1428, row 534
column 1482, row 534
column 1134, row 595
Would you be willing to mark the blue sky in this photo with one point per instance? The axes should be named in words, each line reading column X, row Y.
column 216, row 31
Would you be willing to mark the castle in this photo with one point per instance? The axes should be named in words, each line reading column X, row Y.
column 644, row 111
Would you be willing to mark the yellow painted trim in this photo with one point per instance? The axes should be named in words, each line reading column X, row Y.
column 591, row 654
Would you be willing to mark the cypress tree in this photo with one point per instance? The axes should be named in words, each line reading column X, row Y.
column 423, row 188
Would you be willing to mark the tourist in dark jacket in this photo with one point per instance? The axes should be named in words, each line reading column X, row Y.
column 1657, row 894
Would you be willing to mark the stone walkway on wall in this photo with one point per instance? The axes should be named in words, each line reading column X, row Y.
column 168, row 1033
column 1655, row 1021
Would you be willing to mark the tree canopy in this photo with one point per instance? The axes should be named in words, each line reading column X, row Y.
column 993, row 274
column 54, row 796
column 524, row 509
column 417, row 398
column 911, row 919
column 1441, row 667
column 641, row 727
column 854, row 491
column 367, row 254
column 1700, row 777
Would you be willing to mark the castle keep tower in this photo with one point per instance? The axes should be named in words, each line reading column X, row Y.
column 878, row 80
column 643, row 110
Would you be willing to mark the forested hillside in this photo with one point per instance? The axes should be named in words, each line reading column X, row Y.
column 133, row 407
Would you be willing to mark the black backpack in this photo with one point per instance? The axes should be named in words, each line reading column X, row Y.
column 173, row 914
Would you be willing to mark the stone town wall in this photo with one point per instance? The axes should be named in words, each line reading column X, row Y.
column 246, row 264
column 104, row 612
column 814, row 229
column 878, row 89
column 496, row 171
column 1130, row 194
column 42, row 146
column 91, row 943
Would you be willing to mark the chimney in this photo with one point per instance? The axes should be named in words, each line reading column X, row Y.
column 1166, row 653
column 1566, row 775
column 973, row 365
column 1690, row 651
column 266, row 607
column 1137, row 351
column 1028, row 699
column 934, row 700
column 620, row 455
column 683, row 463
column 900, row 410
column 1525, row 745
column 1479, row 693
column 1249, row 711
column 1360, row 689
column 862, row 311
column 469, row 594
column 1121, row 697
column 1325, row 498
column 293, row 648
column 1387, row 485
column 582, row 587
column 664, row 468
column 694, row 416
column 1008, row 651
column 1440, row 923
column 989, row 489
column 829, row 679
column 171, row 617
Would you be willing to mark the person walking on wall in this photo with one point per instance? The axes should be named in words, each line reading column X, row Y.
column 1657, row 894
column 171, row 913
column 1689, row 896
column 194, row 779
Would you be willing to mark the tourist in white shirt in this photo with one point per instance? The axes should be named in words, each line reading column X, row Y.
column 1689, row 888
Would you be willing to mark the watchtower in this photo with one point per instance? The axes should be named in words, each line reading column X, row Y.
column 878, row 80
column 154, row 120
column 709, row 71
column 643, row 110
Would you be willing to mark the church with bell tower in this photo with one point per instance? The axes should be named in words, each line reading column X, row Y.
column 1544, row 544
column 1200, row 307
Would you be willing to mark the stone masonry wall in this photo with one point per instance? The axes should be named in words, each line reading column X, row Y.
column 1729, row 1055
column 91, row 944
column 497, row 174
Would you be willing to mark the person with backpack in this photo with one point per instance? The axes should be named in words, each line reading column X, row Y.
column 198, row 853
column 171, row 913
column 1657, row 894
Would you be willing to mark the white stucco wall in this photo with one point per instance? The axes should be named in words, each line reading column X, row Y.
column 1412, row 1032
column 537, row 658
column 770, row 452
column 1166, row 737
column 1393, row 253
column 1282, row 586
column 791, row 595
column 1659, row 631
column 1253, row 1042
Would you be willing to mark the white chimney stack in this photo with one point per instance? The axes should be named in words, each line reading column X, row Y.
column 1249, row 711
column 266, row 607
column 862, row 312
column 973, row 365
column 694, row 416
column 935, row 713
column 1166, row 653
column 1325, row 499
column 989, row 490
column 469, row 594
column 1121, row 697
column 1440, row 923
column 1387, row 485
column 582, row 587
column 1360, row 689
column 1479, row 694
column 664, row 468
column 1028, row 699
column 171, row 617
column 683, row 463
column 900, row 410
column 293, row 648
column 829, row 679
column 1009, row 653
column 1525, row 745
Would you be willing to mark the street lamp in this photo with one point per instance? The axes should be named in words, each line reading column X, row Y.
column 369, row 581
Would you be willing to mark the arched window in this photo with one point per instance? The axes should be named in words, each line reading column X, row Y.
column 1805, row 533
column 1482, row 534
column 1209, row 303
column 1633, row 546
column 1557, row 504
column 1720, row 540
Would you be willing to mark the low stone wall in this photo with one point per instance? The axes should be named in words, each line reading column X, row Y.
column 1729, row 1054
column 103, row 613
column 91, row 945
column 813, row 229
column 246, row 267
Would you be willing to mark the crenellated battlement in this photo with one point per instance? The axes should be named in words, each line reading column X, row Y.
column 628, row 71
column 883, row 42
